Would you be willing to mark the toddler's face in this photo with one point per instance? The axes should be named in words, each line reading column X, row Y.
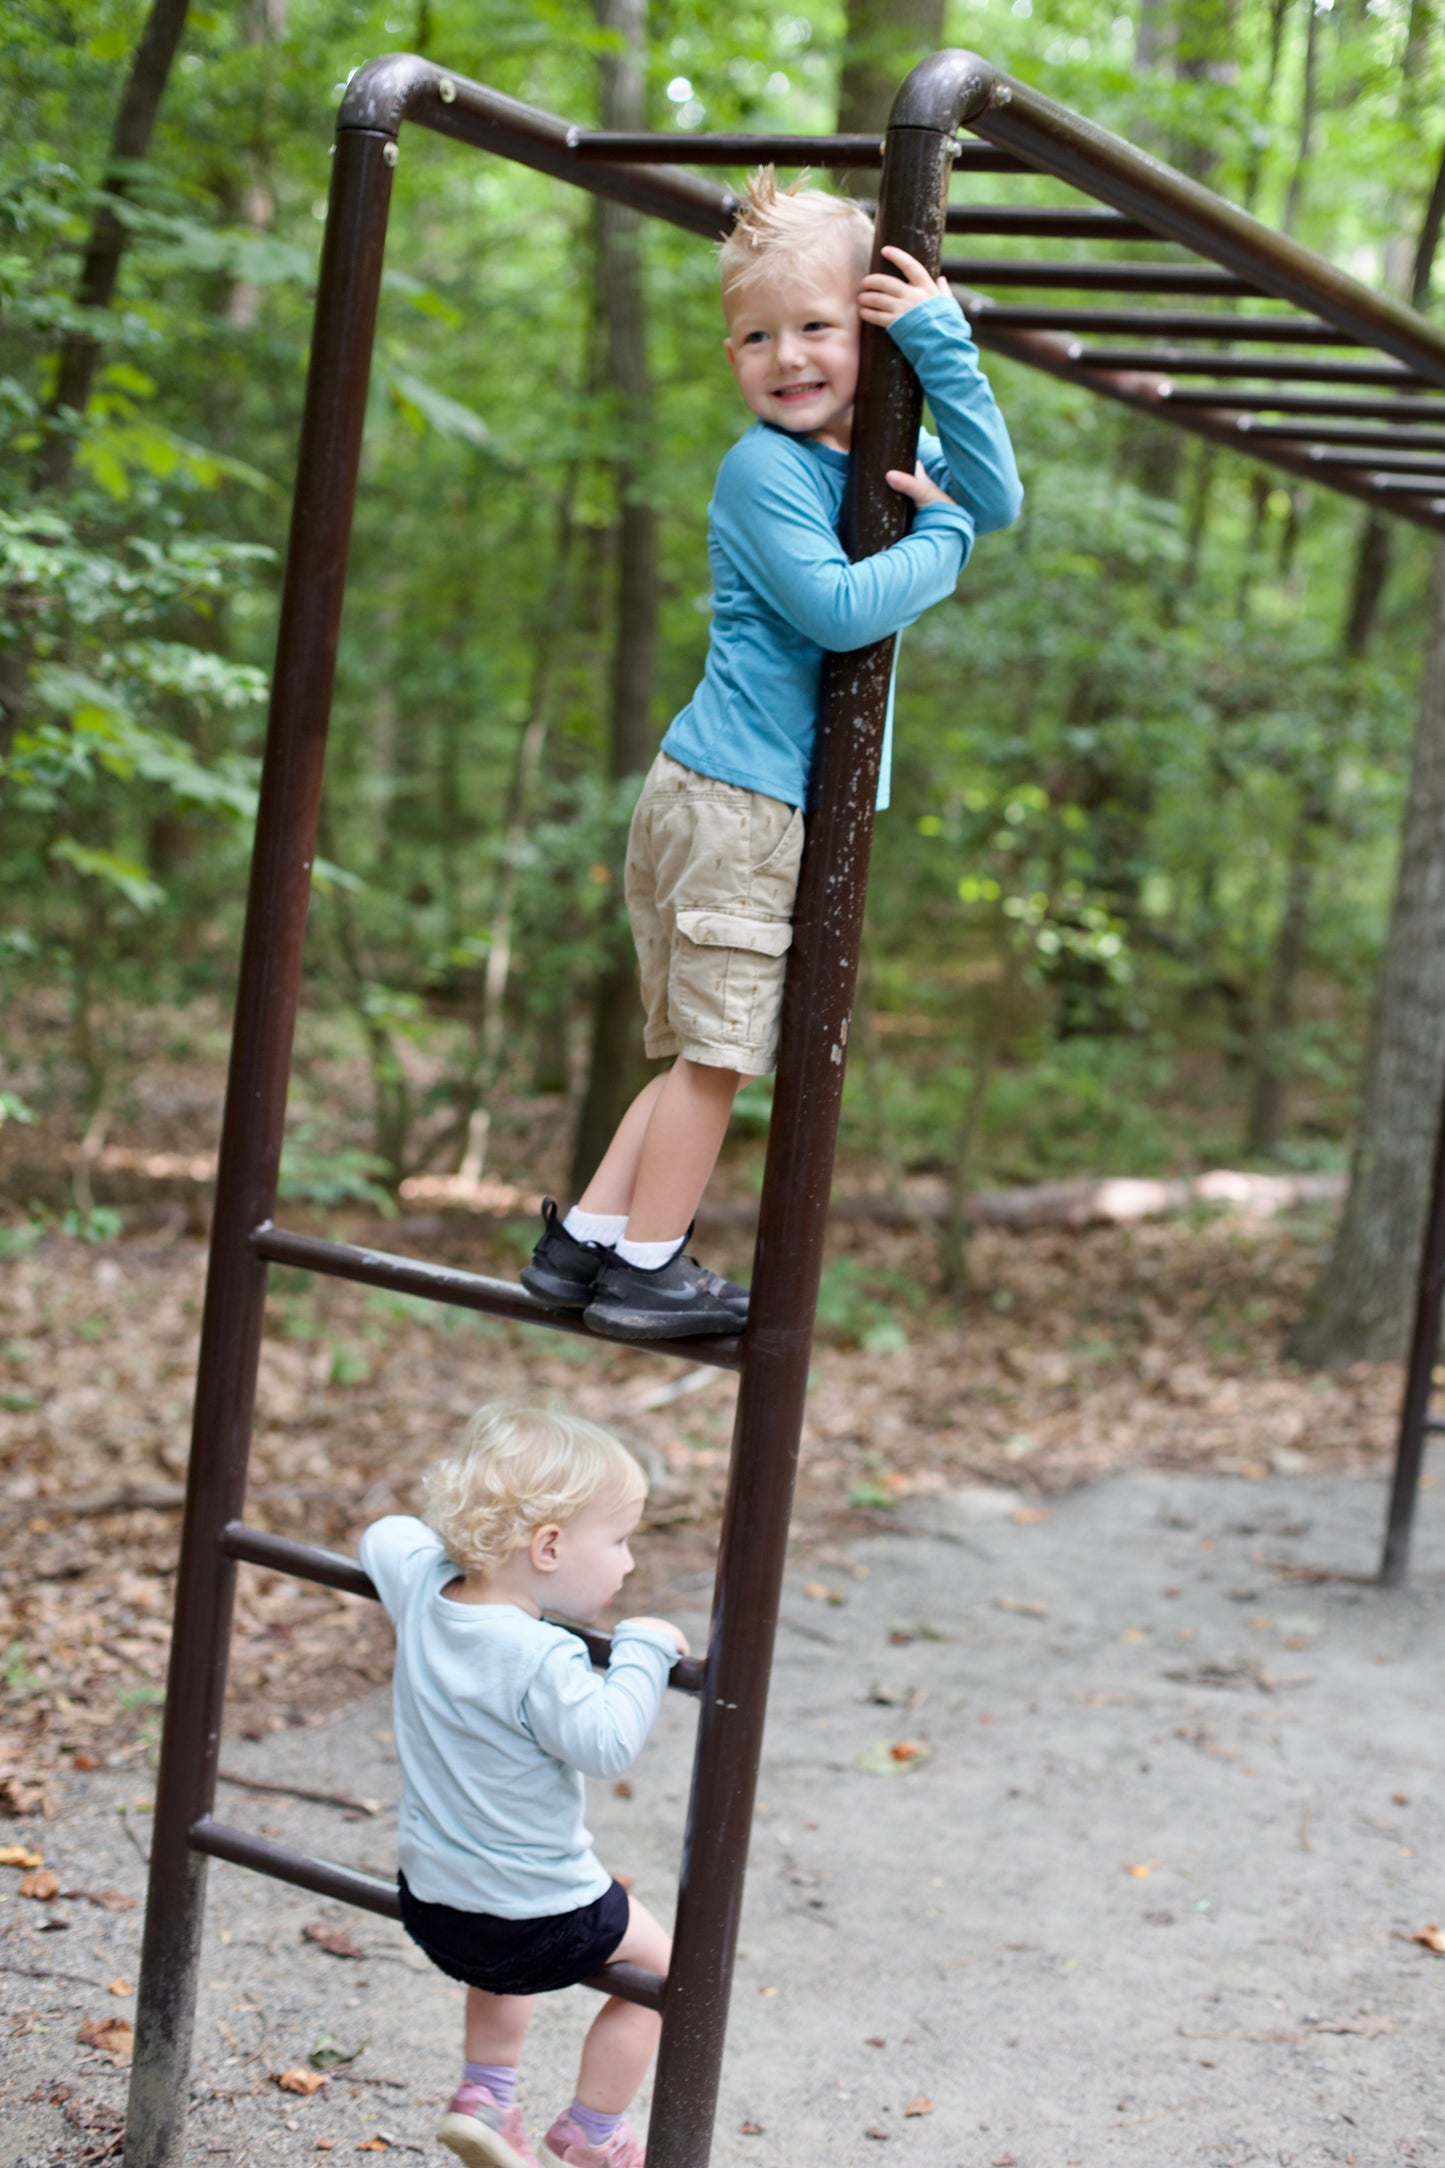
column 793, row 348
column 593, row 1557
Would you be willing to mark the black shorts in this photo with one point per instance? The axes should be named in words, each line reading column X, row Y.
column 517, row 1957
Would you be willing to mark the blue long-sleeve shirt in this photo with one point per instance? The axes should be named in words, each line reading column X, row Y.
column 498, row 1717
column 784, row 591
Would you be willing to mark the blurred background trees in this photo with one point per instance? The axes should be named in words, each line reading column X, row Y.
column 1130, row 906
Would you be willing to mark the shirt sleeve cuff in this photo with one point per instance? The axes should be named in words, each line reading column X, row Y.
column 915, row 325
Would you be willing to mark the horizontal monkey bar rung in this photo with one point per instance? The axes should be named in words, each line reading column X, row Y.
column 1095, row 277
column 1174, row 323
column 468, row 1291
column 370, row 1893
column 1408, row 411
column 1278, row 368
column 330, row 1569
column 647, row 147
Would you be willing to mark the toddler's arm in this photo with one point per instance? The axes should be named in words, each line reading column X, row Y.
column 598, row 1721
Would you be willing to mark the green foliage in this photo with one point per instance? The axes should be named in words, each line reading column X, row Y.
column 1114, row 749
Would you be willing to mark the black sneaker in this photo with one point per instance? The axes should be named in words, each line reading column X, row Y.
column 563, row 1271
column 676, row 1301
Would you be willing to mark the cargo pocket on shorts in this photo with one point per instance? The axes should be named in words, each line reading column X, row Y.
column 723, row 929
column 727, row 986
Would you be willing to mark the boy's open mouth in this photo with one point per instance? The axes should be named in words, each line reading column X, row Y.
column 792, row 392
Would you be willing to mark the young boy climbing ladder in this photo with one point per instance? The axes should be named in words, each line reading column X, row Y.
column 717, row 838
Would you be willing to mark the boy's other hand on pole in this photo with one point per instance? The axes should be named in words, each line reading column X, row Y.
column 665, row 1625
column 919, row 486
column 883, row 299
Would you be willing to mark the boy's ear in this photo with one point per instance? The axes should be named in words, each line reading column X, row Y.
column 732, row 357
column 542, row 1550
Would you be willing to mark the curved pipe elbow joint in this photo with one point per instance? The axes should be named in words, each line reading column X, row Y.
column 380, row 95
column 945, row 91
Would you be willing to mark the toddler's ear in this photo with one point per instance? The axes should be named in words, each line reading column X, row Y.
column 731, row 355
column 542, row 1550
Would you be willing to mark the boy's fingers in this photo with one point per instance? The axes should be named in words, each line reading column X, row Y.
column 911, row 267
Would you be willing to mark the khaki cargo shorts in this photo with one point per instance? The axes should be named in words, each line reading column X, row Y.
column 712, row 873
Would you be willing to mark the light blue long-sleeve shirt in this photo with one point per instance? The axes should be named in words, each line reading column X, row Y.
column 498, row 1717
column 784, row 591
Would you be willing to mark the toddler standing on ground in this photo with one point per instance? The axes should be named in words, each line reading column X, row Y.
column 717, row 838
column 499, row 1716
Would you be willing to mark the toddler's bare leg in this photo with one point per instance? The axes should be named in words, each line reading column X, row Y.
column 610, row 1189
column 497, row 2026
column 623, row 2038
column 684, row 1135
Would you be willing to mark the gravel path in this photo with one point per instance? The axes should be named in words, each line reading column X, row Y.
column 1144, row 1895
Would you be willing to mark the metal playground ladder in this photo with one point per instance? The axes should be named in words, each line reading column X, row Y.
column 1396, row 468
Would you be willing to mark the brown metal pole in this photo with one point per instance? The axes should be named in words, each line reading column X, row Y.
column 798, row 1174
column 1415, row 1418
column 251, row 1138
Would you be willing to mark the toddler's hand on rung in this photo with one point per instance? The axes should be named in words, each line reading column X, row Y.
column 918, row 485
column 665, row 1626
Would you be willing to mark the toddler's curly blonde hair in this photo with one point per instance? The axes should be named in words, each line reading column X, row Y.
column 518, row 1467
column 788, row 231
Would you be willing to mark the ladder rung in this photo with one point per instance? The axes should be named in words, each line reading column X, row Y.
column 308, row 1562
column 368, row 1891
column 469, row 1291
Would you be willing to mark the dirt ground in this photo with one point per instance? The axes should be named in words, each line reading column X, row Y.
column 1072, row 1355
column 1154, row 1880
column 1146, row 1894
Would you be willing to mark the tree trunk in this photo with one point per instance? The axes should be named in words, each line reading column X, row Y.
column 130, row 142
column 1269, row 1096
column 1360, row 1308
column 616, row 1060
column 882, row 40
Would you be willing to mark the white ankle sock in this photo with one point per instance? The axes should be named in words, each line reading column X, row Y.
column 603, row 1227
column 648, row 1256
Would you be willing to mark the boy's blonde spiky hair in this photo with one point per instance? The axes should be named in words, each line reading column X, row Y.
column 788, row 230
column 518, row 1467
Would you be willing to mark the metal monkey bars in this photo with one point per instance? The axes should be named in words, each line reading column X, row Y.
column 1265, row 354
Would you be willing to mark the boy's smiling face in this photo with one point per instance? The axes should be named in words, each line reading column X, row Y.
column 793, row 347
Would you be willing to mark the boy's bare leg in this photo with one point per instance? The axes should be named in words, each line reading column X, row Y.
column 624, row 2036
column 684, row 1135
column 497, row 2026
column 664, row 1149
column 610, row 1189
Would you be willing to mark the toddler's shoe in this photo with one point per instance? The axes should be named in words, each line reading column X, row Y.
column 484, row 2134
column 675, row 1301
column 563, row 1271
column 567, row 2145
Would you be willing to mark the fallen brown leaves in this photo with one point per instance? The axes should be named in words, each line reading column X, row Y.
column 113, row 2036
column 1073, row 1355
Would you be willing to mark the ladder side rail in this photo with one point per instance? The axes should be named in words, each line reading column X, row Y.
column 1415, row 1408
column 1157, row 396
column 1049, row 136
column 793, row 1217
column 251, row 1138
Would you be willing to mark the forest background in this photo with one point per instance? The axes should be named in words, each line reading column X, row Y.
column 1129, row 909
column 1162, row 888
